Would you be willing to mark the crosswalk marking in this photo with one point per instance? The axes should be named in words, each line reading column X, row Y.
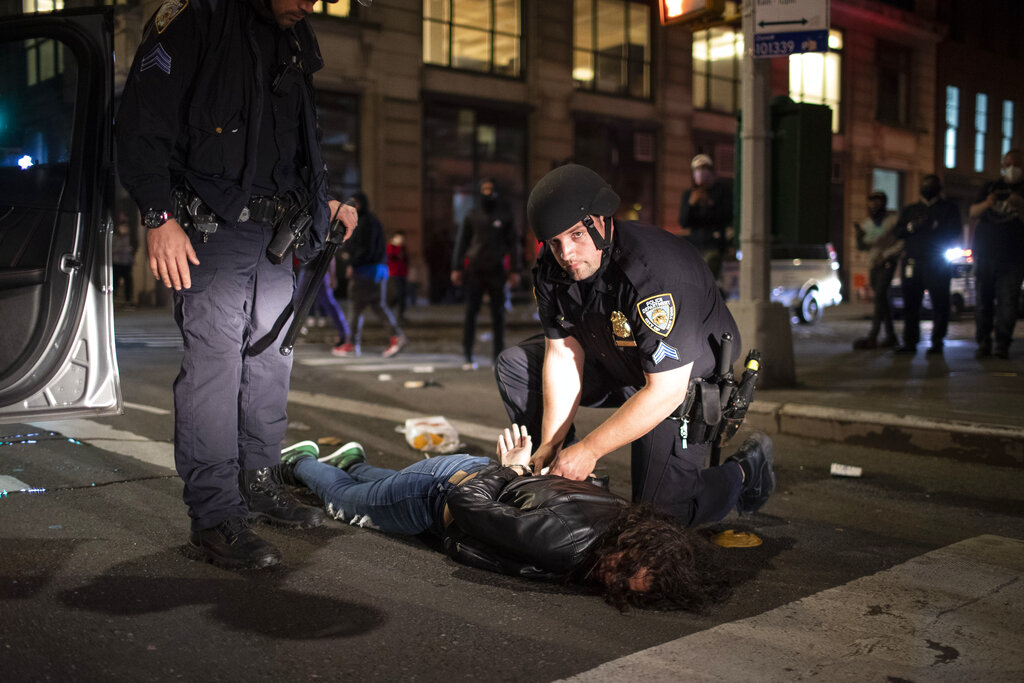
column 953, row 614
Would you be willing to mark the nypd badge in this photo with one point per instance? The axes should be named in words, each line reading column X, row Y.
column 167, row 12
column 658, row 313
column 621, row 330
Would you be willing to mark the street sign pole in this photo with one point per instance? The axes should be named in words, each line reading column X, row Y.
column 763, row 325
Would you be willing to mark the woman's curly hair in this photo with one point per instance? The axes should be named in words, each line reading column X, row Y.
column 684, row 568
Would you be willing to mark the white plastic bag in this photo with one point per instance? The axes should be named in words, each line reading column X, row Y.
column 431, row 434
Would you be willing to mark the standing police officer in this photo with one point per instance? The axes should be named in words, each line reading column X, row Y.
column 219, row 147
column 630, row 314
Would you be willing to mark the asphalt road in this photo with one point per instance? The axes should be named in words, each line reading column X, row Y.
column 94, row 586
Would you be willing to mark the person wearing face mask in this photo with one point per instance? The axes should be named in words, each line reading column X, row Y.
column 877, row 234
column 486, row 257
column 706, row 213
column 928, row 228
column 998, row 249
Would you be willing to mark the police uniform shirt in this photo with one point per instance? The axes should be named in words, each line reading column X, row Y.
column 278, row 149
column 929, row 230
column 656, row 307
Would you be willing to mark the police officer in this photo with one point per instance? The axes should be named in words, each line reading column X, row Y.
column 218, row 145
column 630, row 314
column 928, row 228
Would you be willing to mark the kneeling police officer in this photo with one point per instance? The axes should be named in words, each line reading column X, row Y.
column 631, row 314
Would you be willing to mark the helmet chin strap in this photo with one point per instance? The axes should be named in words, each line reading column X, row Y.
column 602, row 244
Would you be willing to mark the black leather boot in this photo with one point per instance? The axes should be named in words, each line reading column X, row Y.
column 232, row 545
column 266, row 497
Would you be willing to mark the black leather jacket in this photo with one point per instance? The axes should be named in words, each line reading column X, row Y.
column 192, row 105
column 539, row 527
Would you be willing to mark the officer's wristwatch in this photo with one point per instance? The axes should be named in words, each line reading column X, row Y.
column 154, row 219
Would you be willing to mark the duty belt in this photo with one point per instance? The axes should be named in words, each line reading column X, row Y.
column 259, row 208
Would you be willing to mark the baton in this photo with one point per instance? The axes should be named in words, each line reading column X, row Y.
column 335, row 236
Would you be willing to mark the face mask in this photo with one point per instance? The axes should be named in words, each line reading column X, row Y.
column 703, row 176
column 929, row 192
column 1013, row 174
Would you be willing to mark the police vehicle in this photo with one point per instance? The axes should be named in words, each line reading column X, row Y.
column 57, row 355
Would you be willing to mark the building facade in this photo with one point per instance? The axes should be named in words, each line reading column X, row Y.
column 421, row 99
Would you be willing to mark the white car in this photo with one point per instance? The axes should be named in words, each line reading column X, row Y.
column 56, row 186
column 804, row 279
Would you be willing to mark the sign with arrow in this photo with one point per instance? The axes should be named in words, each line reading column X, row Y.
column 785, row 27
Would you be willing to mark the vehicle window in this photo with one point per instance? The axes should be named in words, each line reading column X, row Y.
column 38, row 83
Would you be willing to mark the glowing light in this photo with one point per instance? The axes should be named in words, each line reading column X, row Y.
column 25, row 162
column 954, row 254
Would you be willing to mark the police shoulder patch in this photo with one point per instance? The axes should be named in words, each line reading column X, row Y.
column 167, row 12
column 658, row 312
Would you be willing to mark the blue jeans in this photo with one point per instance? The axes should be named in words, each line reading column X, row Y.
column 409, row 501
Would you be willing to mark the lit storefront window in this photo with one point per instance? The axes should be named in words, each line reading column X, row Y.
column 816, row 77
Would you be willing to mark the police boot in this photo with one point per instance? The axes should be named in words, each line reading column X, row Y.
column 266, row 497
column 755, row 459
column 232, row 545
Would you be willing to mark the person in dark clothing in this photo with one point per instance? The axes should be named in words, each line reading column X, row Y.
column 504, row 519
column 366, row 269
column 632, row 319
column 486, row 257
column 705, row 214
column 217, row 140
column 928, row 228
column 998, row 249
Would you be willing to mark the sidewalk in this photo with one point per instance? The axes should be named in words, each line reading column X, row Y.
column 951, row 405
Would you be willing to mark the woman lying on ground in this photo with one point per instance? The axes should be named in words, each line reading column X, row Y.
column 501, row 518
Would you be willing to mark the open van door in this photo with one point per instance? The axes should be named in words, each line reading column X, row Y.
column 57, row 355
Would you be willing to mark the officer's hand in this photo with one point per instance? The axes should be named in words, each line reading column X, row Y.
column 541, row 459
column 457, row 278
column 573, row 463
column 1016, row 201
column 346, row 213
column 170, row 252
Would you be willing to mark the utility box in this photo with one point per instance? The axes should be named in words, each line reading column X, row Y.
column 801, row 171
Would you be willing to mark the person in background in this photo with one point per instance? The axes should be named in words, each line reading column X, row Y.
column 877, row 234
column 365, row 254
column 123, row 258
column 705, row 214
column 998, row 248
column 928, row 228
column 485, row 257
column 325, row 302
column 398, row 275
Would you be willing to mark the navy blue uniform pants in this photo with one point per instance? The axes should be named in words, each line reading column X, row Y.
column 664, row 474
column 933, row 276
column 229, row 407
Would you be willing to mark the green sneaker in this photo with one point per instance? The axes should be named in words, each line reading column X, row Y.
column 345, row 456
column 303, row 449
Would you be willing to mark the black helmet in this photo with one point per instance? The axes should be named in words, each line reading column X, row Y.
column 564, row 196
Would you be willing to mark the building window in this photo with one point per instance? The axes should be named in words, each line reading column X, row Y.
column 612, row 47
column 340, row 8
column 952, row 122
column 623, row 153
column 476, row 35
column 816, row 77
column 30, row 6
column 890, row 183
column 980, row 128
column 893, row 93
column 716, row 69
column 339, row 120
column 1007, row 128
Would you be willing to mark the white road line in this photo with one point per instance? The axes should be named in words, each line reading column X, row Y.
column 9, row 483
column 397, row 415
column 953, row 614
column 114, row 440
column 147, row 409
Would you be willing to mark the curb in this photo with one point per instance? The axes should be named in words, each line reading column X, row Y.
column 987, row 444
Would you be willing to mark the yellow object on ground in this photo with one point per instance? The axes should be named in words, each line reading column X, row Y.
column 736, row 539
